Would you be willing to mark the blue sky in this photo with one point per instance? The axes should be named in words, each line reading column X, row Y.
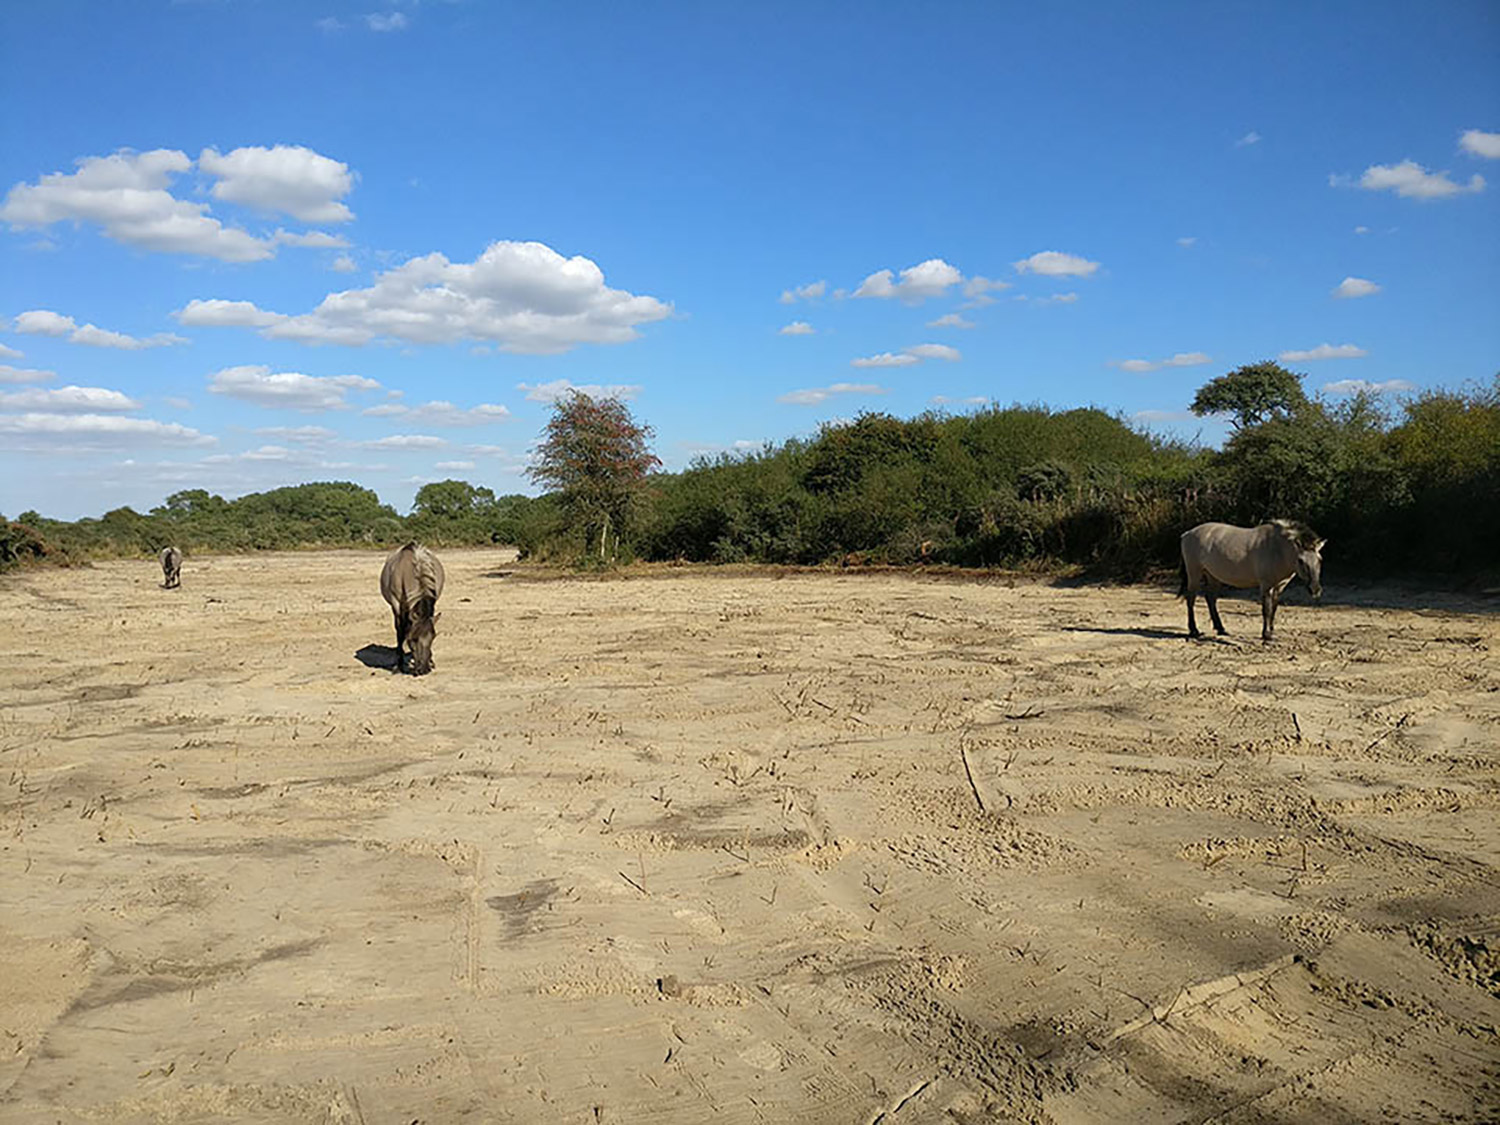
column 249, row 243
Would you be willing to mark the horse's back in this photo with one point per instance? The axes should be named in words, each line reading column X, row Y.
column 411, row 572
column 1227, row 552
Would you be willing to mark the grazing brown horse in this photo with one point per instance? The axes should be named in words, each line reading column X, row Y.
column 171, row 567
column 411, row 582
column 1268, row 556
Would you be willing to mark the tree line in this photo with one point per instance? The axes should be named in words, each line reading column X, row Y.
column 1413, row 487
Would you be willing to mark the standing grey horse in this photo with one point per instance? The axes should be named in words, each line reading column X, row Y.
column 171, row 567
column 1268, row 556
column 411, row 582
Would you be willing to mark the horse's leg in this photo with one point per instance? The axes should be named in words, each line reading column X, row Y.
column 1267, row 612
column 1211, row 596
column 400, row 637
column 1190, row 580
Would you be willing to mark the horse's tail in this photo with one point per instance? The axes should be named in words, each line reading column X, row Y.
column 1182, row 584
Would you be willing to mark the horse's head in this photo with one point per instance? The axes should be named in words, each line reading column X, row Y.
column 1310, row 565
column 419, row 640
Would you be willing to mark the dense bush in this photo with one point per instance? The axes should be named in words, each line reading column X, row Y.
column 1411, row 489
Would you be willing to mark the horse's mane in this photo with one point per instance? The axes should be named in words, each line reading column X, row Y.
column 1298, row 532
column 422, row 561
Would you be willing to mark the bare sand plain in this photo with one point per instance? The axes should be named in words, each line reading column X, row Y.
column 739, row 847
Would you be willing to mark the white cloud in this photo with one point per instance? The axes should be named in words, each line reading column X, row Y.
column 387, row 21
column 796, row 328
column 885, row 359
column 176, row 402
column 1181, row 359
column 406, row 441
column 1476, row 142
column 330, row 24
column 559, row 389
column 1354, row 386
column 935, row 351
column 45, row 322
column 808, row 292
column 1352, row 287
column 1250, row 138
column 225, row 314
column 821, row 394
column 523, row 296
column 1411, row 181
column 979, row 286
column 9, row 374
column 126, row 194
column 1361, row 230
column 950, row 320
column 931, row 278
column 69, row 400
column 304, row 435
column 1323, row 351
column 449, row 465
column 97, row 431
column 287, row 178
column 1054, row 263
column 440, row 413
column 9, row 353
column 1190, row 240
column 289, row 389
column 968, row 400
column 343, row 264
column 311, row 239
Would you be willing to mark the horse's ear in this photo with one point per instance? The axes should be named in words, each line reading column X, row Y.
column 1318, row 546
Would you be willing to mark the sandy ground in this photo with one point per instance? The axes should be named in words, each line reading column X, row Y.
column 705, row 847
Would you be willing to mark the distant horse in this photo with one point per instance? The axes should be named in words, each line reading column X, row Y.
column 411, row 582
column 1268, row 556
column 171, row 567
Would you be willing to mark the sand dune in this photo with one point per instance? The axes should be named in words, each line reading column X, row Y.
column 736, row 847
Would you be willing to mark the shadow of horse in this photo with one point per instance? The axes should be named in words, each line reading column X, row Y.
column 1154, row 634
column 379, row 656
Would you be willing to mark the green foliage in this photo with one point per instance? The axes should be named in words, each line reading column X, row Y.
column 595, row 456
column 1252, row 394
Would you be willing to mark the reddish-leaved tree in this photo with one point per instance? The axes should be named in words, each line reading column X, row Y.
column 596, row 457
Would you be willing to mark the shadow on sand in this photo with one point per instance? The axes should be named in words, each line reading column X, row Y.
column 379, row 656
column 1154, row 634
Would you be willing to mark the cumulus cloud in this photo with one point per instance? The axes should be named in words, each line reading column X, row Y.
column 931, row 278
column 1323, row 351
column 1250, row 138
column 67, row 400
column 935, row 351
column 522, row 296
column 127, row 195
column 406, row 441
column 885, row 359
column 343, row 264
column 70, row 433
column 967, row 400
column 815, row 395
column 9, row 374
column 1476, row 142
column 449, row 466
column 1054, row 299
column 1354, row 386
column 440, row 413
column 797, row 328
column 1163, row 416
column 1054, row 263
column 311, row 239
column 304, row 435
column 1352, row 287
column 287, row 389
column 9, row 353
column 1181, row 359
column 979, row 286
column 386, row 21
column 804, row 292
column 1412, row 181
column 1189, row 240
column 45, row 322
column 286, row 178
column 950, row 320
column 559, row 389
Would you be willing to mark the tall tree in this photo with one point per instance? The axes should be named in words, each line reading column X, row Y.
column 1252, row 394
column 596, row 456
